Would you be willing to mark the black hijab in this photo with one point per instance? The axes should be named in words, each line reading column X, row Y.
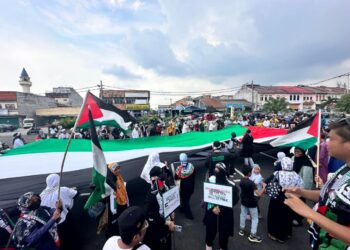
column 301, row 161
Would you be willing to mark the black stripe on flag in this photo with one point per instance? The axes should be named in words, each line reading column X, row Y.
column 94, row 137
column 106, row 106
column 303, row 124
column 111, row 179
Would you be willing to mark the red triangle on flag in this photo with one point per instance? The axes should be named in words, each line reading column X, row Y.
column 314, row 127
column 95, row 110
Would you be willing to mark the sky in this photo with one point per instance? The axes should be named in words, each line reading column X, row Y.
column 171, row 45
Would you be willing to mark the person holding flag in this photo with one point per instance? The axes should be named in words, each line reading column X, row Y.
column 331, row 215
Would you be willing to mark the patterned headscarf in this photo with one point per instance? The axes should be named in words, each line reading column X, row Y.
column 287, row 177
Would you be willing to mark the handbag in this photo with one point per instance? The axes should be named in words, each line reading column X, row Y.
column 274, row 188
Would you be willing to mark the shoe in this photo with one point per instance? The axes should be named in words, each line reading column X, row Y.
column 241, row 232
column 275, row 239
column 254, row 238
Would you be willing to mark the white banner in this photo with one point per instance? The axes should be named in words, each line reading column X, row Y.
column 218, row 194
column 171, row 200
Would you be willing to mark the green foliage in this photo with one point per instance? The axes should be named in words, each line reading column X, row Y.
column 276, row 105
column 67, row 122
column 343, row 105
column 326, row 104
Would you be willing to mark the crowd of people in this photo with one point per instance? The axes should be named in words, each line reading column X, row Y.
column 44, row 218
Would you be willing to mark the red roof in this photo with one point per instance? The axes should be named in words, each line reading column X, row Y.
column 297, row 90
column 207, row 101
column 8, row 96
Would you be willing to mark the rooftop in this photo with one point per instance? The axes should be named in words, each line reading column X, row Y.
column 300, row 89
column 8, row 96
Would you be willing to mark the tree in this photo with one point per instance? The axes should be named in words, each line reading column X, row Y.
column 343, row 105
column 276, row 105
column 329, row 102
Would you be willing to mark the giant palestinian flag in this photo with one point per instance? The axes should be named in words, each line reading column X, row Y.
column 25, row 168
column 99, row 172
column 103, row 114
column 304, row 135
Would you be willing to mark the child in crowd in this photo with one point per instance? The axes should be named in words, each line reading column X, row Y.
column 258, row 180
column 249, row 204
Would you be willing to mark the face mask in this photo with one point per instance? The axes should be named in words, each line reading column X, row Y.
column 35, row 205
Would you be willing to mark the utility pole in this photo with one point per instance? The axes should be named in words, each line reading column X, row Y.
column 252, row 96
column 101, row 88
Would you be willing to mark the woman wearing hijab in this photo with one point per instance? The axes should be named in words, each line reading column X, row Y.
column 152, row 161
column 218, row 218
column 186, row 174
column 280, row 216
column 277, row 164
column 247, row 148
column 303, row 166
column 117, row 202
column 49, row 197
column 158, row 235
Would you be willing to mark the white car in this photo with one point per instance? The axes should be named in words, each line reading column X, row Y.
column 28, row 122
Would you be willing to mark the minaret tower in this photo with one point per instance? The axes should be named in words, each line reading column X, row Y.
column 24, row 81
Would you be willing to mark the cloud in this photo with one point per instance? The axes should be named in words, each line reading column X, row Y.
column 122, row 73
column 172, row 45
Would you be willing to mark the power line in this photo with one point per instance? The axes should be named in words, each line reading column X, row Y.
column 332, row 78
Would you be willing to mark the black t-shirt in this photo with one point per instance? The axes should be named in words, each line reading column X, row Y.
column 216, row 157
column 248, row 198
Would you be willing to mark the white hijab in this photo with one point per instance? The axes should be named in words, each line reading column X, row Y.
column 152, row 161
column 50, row 194
column 287, row 177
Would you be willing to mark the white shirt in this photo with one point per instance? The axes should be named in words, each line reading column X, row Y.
column 266, row 123
column 135, row 133
column 18, row 143
column 112, row 244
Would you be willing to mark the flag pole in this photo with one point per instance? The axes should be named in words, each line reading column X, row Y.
column 68, row 144
column 318, row 148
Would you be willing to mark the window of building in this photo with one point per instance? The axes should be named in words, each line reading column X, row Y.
column 278, row 97
column 10, row 106
column 0, row 106
column 298, row 97
column 290, row 98
column 311, row 98
column 266, row 98
column 304, row 98
column 261, row 98
column 294, row 97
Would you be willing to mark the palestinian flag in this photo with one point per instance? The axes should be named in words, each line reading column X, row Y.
column 100, row 170
column 304, row 135
column 103, row 114
column 26, row 168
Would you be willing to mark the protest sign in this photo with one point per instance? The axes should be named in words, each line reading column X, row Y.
column 171, row 200
column 218, row 194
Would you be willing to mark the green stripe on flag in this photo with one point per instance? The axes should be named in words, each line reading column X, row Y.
column 80, row 145
column 99, row 191
column 303, row 144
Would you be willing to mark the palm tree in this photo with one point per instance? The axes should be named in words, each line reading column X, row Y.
column 326, row 104
column 276, row 105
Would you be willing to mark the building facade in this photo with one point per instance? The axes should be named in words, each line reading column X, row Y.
column 135, row 101
column 299, row 97
column 65, row 97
